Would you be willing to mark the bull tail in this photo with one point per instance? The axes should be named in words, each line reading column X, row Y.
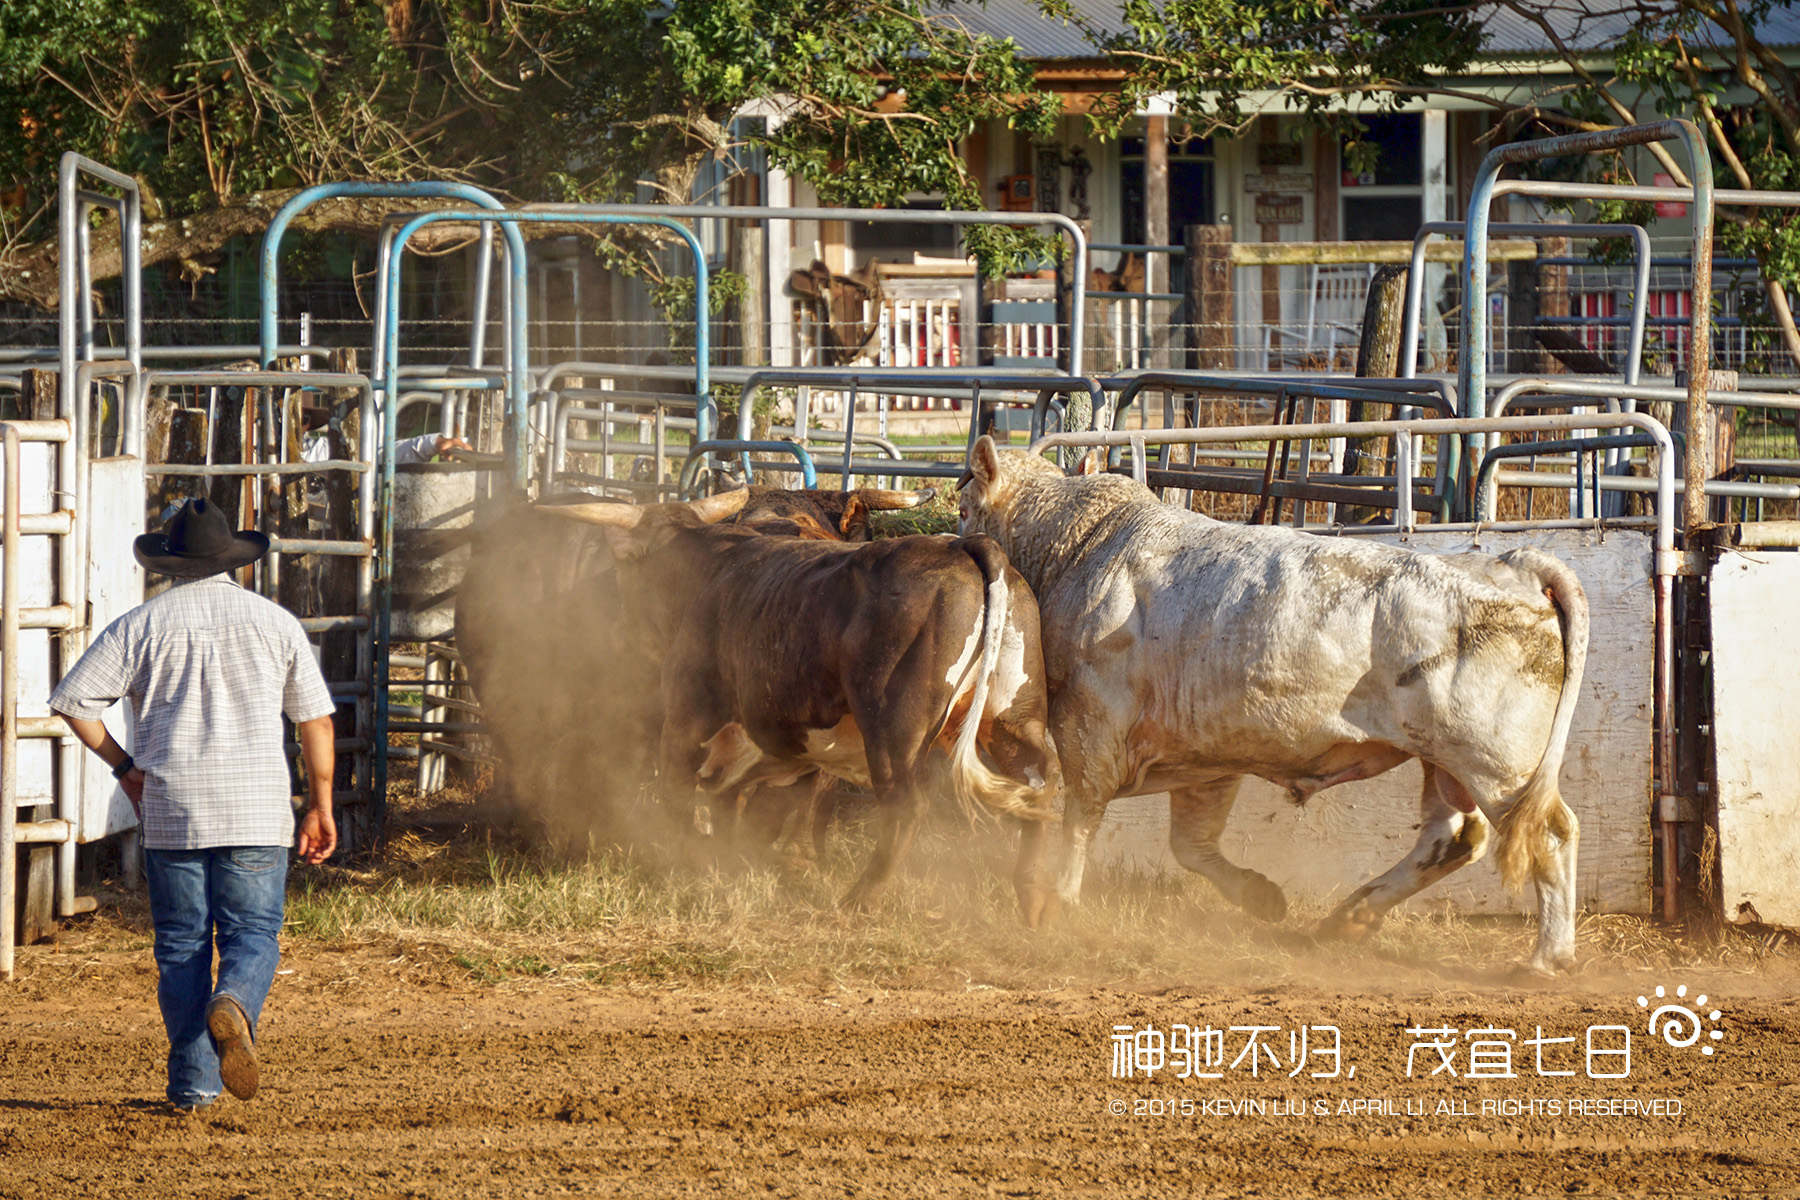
column 980, row 790
column 1539, row 812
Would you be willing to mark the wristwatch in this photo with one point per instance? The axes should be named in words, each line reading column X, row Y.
column 124, row 767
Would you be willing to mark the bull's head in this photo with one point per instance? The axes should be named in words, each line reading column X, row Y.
column 633, row 530
column 854, row 524
column 824, row 515
column 991, row 483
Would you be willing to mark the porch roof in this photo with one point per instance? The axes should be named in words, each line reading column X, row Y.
column 1591, row 25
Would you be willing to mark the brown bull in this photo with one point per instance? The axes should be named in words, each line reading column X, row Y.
column 783, row 656
column 762, row 814
column 538, row 624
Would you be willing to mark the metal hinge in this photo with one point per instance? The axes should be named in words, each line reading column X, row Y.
column 1681, row 562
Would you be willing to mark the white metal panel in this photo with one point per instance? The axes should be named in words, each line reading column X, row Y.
column 115, row 587
column 35, row 784
column 1342, row 838
column 37, row 589
column 1756, row 694
column 37, row 584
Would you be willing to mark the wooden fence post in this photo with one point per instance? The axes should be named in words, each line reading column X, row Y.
column 1378, row 354
column 1553, row 298
column 1377, row 357
column 1207, row 283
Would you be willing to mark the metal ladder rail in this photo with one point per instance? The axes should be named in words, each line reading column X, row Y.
column 14, row 526
column 78, row 365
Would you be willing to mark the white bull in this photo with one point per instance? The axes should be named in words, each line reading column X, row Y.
column 1184, row 653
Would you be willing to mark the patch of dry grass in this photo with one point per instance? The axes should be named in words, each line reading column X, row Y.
column 477, row 906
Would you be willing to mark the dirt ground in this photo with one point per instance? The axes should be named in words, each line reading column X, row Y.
column 384, row 1080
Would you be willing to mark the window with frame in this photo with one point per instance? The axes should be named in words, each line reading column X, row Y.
column 898, row 241
column 1190, row 186
column 1386, row 204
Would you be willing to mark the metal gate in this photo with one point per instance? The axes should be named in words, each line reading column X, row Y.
column 1756, row 692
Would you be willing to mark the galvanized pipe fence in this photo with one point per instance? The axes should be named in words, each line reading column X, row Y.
column 540, row 411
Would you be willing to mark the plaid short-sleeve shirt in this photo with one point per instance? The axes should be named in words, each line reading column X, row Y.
column 209, row 669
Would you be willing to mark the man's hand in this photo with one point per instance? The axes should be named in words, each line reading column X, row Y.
column 133, row 784
column 318, row 828
column 452, row 443
column 94, row 736
column 318, row 835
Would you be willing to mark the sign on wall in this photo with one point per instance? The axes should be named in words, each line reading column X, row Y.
column 1280, row 210
column 1302, row 184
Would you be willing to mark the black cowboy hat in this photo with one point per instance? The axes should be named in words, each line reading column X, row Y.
column 198, row 542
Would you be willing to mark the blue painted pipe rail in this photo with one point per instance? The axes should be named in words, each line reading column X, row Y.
column 1490, row 462
column 269, row 272
column 699, row 450
column 518, row 390
column 1471, row 370
column 518, row 385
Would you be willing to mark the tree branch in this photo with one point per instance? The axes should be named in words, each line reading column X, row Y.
column 1625, row 115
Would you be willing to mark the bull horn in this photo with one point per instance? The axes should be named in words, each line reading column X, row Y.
column 717, row 508
column 623, row 516
column 884, row 499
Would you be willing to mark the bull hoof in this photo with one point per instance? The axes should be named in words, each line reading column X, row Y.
column 1262, row 899
column 860, row 899
column 1547, row 966
column 1038, row 906
column 1349, row 925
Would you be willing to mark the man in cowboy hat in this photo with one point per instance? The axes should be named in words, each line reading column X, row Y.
column 210, row 668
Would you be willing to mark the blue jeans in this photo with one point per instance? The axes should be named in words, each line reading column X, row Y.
column 234, row 895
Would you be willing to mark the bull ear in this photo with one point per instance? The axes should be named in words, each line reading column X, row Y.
column 984, row 463
column 856, row 515
column 711, row 509
column 628, row 545
column 616, row 516
column 1092, row 463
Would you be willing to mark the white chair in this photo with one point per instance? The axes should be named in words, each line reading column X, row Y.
column 1334, row 308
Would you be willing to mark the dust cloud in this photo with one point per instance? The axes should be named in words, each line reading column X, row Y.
column 568, row 681
column 565, row 660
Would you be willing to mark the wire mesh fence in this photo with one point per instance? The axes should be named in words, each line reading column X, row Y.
column 1569, row 309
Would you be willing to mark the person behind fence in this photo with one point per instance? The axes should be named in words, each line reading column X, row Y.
column 210, row 668
column 316, row 446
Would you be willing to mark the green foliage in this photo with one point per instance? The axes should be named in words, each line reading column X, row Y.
column 566, row 100
column 210, row 99
column 1693, row 61
column 1215, row 55
column 673, row 296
